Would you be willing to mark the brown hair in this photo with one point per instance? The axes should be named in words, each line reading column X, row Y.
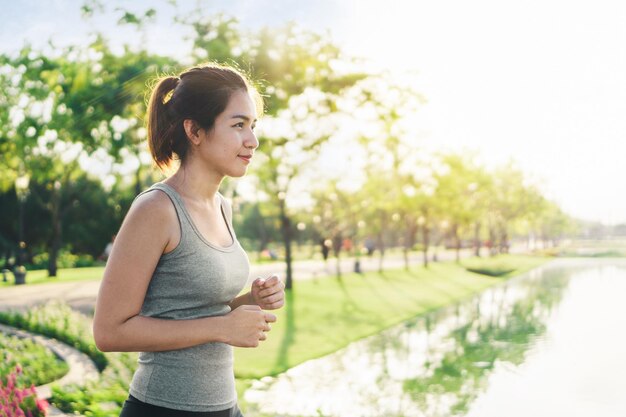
column 200, row 94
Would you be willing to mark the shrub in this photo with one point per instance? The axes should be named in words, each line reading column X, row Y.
column 58, row 321
column 66, row 259
column 43, row 366
column 497, row 266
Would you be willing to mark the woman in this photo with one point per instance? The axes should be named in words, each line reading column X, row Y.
column 170, row 286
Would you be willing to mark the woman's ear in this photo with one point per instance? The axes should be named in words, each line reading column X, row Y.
column 192, row 131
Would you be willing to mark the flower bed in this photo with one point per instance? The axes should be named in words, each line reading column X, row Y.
column 58, row 321
column 43, row 366
column 17, row 401
column 103, row 397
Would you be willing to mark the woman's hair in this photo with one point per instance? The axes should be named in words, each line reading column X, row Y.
column 200, row 94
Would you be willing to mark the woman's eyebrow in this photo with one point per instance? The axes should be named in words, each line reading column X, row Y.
column 242, row 116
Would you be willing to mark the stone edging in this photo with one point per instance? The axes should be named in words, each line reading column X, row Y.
column 81, row 368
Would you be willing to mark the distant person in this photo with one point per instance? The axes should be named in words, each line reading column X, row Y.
column 369, row 246
column 170, row 287
column 347, row 245
column 325, row 249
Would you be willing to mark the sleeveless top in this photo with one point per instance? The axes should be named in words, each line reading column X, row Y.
column 196, row 279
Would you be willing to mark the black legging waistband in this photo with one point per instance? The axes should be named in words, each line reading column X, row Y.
column 136, row 408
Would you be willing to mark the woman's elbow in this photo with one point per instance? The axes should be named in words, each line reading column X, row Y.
column 103, row 337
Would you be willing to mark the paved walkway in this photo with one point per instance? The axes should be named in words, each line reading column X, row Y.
column 82, row 294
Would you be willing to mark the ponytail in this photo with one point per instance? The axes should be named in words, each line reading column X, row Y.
column 161, row 123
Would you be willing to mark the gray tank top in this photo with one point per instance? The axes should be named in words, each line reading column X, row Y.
column 196, row 279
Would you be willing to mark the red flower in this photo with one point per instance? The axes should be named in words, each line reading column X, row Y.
column 42, row 405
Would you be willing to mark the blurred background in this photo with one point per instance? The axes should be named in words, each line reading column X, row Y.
column 473, row 97
column 397, row 136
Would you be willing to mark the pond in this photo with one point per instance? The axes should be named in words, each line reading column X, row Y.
column 549, row 343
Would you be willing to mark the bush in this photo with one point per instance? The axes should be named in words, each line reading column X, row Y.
column 497, row 266
column 43, row 366
column 20, row 402
column 58, row 321
column 66, row 259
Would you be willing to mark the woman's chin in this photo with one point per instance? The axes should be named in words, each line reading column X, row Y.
column 237, row 173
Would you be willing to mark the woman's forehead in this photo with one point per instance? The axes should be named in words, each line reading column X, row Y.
column 241, row 104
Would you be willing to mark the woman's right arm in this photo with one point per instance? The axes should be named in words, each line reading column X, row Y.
column 150, row 227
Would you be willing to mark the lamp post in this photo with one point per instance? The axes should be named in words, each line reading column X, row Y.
column 21, row 189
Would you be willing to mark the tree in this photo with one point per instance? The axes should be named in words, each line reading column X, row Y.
column 512, row 199
column 461, row 189
column 297, row 67
column 384, row 112
column 336, row 217
column 288, row 142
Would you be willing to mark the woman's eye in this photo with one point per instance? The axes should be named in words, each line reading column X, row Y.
column 252, row 127
column 240, row 125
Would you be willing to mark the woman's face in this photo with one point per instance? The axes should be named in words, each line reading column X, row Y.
column 228, row 147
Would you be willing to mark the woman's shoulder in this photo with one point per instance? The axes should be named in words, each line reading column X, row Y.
column 153, row 204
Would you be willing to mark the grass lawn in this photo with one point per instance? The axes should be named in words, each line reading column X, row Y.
column 40, row 276
column 324, row 315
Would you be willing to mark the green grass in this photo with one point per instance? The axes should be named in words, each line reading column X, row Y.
column 593, row 254
column 40, row 276
column 325, row 315
column 321, row 317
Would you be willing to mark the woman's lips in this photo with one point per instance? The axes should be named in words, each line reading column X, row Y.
column 246, row 158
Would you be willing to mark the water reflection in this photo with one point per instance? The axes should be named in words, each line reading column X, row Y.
column 440, row 364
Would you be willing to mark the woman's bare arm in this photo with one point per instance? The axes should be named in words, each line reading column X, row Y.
column 150, row 228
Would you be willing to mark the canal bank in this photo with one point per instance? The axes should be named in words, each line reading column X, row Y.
column 324, row 315
column 546, row 343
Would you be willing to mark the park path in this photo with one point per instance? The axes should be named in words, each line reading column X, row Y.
column 81, row 295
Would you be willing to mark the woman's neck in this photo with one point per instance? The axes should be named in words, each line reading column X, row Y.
column 195, row 184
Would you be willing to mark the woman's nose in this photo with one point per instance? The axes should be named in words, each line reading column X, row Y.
column 251, row 141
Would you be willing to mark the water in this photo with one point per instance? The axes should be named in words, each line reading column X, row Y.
column 549, row 343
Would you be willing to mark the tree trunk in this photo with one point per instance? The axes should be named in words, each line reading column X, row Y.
column 504, row 241
column 337, row 243
column 425, row 244
column 285, row 228
column 477, row 244
column 493, row 248
column 457, row 242
column 406, row 258
column 381, row 240
column 381, row 251
column 55, row 240
column 411, row 232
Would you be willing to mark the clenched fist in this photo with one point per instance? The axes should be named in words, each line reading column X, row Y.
column 246, row 326
column 269, row 294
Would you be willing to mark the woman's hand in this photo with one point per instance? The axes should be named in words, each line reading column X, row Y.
column 246, row 326
column 269, row 294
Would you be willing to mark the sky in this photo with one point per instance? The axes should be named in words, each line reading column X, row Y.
column 539, row 82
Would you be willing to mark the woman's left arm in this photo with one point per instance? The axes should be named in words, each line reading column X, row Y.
column 269, row 294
